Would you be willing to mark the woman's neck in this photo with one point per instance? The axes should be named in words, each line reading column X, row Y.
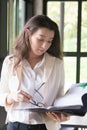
column 33, row 60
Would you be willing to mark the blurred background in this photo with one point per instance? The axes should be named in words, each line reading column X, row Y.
column 71, row 17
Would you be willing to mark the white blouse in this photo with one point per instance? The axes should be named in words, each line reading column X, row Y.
column 49, row 72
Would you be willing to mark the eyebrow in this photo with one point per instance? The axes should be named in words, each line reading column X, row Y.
column 51, row 38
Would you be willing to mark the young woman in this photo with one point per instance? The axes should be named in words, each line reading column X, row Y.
column 33, row 76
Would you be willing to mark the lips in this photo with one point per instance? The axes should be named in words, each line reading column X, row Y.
column 41, row 51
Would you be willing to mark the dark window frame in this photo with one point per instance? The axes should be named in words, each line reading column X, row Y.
column 78, row 54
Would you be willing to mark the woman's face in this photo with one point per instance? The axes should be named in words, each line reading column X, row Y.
column 40, row 41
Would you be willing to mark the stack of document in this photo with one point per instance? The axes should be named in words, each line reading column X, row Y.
column 74, row 102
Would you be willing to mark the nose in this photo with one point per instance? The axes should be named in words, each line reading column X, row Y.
column 44, row 45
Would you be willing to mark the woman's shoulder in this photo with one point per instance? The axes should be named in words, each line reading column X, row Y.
column 9, row 59
column 56, row 59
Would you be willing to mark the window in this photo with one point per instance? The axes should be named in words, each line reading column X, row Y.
column 72, row 20
column 15, row 20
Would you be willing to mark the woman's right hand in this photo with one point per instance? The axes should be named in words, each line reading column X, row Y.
column 58, row 117
column 19, row 96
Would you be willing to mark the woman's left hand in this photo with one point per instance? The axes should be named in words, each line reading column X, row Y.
column 59, row 117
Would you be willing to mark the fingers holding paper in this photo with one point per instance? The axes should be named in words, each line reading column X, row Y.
column 19, row 96
column 53, row 116
column 64, row 117
column 59, row 117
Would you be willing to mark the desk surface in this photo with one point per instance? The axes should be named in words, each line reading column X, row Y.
column 76, row 120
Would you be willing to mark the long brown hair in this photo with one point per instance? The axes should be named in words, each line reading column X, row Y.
column 21, row 43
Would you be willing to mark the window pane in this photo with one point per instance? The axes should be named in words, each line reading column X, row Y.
column 70, row 71
column 84, row 28
column 70, row 27
column 19, row 10
column 70, row 22
column 21, row 14
column 53, row 10
column 83, row 70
